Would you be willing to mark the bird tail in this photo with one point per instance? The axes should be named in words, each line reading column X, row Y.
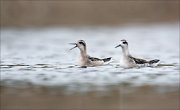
column 106, row 59
column 153, row 61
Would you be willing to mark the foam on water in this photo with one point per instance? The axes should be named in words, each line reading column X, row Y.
column 42, row 57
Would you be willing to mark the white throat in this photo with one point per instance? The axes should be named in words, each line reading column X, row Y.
column 125, row 62
column 125, row 51
column 83, row 57
column 83, row 54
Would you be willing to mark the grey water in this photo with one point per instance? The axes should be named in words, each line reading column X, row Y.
column 40, row 57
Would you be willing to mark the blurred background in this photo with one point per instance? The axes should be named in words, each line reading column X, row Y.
column 38, row 72
column 41, row 13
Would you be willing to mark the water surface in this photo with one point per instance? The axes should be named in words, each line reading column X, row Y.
column 36, row 58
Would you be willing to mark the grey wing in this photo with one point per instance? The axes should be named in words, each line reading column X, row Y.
column 138, row 60
column 94, row 59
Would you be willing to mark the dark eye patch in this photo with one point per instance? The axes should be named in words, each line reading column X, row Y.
column 82, row 43
column 125, row 42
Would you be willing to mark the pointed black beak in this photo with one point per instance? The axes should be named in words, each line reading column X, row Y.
column 118, row 46
column 73, row 44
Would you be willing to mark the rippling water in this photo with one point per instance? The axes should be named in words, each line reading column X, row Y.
column 41, row 57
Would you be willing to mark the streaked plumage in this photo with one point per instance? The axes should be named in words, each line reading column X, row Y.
column 85, row 59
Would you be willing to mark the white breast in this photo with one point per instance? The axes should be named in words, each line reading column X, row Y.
column 126, row 62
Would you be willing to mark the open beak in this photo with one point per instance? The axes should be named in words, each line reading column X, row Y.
column 73, row 44
column 118, row 46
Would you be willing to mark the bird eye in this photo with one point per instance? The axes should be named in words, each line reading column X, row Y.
column 81, row 43
column 124, row 42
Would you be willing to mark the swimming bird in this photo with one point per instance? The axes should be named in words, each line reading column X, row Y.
column 128, row 61
column 85, row 59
